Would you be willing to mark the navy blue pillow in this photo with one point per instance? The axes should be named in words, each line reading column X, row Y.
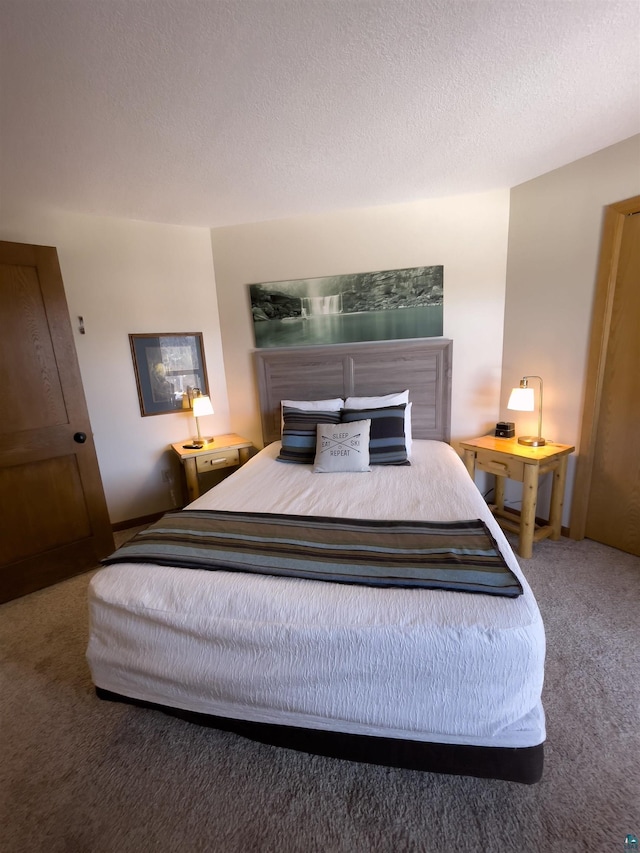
column 387, row 444
column 299, row 434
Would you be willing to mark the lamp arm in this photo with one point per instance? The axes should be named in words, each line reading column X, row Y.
column 539, row 378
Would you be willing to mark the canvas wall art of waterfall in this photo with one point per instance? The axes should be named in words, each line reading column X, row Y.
column 369, row 306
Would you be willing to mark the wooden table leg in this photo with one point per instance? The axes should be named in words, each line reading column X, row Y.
column 557, row 498
column 528, row 513
column 498, row 492
column 191, row 475
column 470, row 463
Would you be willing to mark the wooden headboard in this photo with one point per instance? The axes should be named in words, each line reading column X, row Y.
column 423, row 365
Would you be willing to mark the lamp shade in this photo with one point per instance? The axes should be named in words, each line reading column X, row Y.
column 202, row 406
column 521, row 400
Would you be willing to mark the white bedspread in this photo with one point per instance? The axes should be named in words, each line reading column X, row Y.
column 426, row 665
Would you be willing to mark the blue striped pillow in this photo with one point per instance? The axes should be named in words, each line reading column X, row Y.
column 299, row 433
column 387, row 443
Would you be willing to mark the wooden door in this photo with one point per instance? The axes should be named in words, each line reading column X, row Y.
column 608, row 486
column 53, row 515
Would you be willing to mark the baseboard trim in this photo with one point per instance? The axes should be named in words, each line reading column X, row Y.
column 136, row 522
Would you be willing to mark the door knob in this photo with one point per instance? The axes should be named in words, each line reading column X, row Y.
column 80, row 437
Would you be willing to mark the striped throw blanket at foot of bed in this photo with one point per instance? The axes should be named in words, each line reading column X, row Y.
column 459, row 556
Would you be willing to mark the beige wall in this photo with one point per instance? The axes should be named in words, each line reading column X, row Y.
column 467, row 234
column 554, row 238
column 124, row 276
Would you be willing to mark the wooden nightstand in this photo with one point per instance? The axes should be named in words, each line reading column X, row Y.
column 507, row 459
column 226, row 451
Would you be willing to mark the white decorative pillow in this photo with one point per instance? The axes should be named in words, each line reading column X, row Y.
column 342, row 447
column 333, row 405
column 377, row 402
column 408, row 437
column 382, row 402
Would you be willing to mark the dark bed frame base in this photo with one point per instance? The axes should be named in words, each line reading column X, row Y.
column 487, row 762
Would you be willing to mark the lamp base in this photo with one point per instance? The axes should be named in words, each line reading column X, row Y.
column 203, row 441
column 532, row 440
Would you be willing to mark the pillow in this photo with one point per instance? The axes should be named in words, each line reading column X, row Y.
column 332, row 405
column 386, row 439
column 315, row 405
column 299, row 433
column 386, row 400
column 408, row 430
column 342, row 447
column 377, row 402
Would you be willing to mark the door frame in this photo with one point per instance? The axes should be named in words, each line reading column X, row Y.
column 614, row 218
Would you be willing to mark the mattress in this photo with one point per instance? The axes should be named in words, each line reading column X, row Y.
column 424, row 665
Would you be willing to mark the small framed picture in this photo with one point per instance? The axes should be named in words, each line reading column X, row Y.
column 168, row 367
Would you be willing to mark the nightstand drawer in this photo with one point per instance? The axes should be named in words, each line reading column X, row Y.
column 221, row 459
column 501, row 464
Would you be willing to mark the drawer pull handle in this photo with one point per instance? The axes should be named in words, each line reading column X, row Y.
column 217, row 461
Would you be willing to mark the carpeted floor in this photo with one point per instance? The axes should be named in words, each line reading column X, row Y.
column 83, row 776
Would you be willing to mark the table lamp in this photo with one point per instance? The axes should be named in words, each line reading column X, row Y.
column 522, row 400
column 202, row 406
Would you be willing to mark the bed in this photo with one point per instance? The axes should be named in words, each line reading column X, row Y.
column 425, row 678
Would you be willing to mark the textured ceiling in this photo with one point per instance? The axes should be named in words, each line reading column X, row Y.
column 216, row 112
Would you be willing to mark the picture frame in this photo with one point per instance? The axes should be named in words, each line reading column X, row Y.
column 368, row 306
column 168, row 366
